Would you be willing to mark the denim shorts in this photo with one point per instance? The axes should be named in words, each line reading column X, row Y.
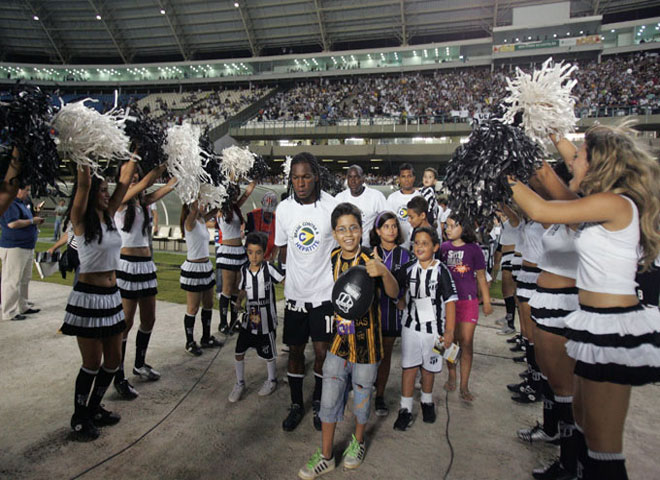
column 336, row 373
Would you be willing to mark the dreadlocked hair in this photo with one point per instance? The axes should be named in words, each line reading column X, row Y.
column 309, row 159
column 91, row 222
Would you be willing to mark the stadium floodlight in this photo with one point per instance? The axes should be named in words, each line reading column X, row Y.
column 612, row 30
column 162, row 12
column 581, row 32
column 98, row 17
column 529, row 38
column 554, row 36
column 517, row 39
column 505, row 39
column 35, row 18
column 236, row 4
column 568, row 34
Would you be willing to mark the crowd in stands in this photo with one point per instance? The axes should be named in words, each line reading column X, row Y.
column 617, row 85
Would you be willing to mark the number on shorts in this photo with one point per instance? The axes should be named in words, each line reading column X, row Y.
column 328, row 323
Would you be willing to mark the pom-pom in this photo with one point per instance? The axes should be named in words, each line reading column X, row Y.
column 86, row 137
column 184, row 160
column 476, row 174
column 544, row 98
column 212, row 196
column 25, row 124
column 147, row 137
column 236, row 162
column 214, row 193
column 286, row 167
column 259, row 170
column 329, row 182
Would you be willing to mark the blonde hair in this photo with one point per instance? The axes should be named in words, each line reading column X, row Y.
column 621, row 164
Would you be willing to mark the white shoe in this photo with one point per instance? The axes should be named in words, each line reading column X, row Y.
column 506, row 330
column 316, row 466
column 146, row 372
column 236, row 392
column 267, row 388
column 501, row 321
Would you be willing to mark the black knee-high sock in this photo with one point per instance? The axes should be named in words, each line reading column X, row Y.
column 510, row 305
column 141, row 344
column 567, row 438
column 119, row 376
column 296, row 388
column 84, row 382
column 189, row 324
column 206, row 323
column 550, row 420
column 103, row 380
column 582, row 458
column 318, row 387
column 606, row 466
column 535, row 378
column 224, row 309
column 234, row 309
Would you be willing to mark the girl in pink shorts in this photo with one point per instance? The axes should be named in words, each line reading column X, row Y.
column 467, row 265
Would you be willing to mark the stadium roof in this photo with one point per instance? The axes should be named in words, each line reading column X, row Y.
column 134, row 31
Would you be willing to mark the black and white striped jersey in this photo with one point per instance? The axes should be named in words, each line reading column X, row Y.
column 261, row 314
column 434, row 282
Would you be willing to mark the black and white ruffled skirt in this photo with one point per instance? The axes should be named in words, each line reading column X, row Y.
column 551, row 306
column 526, row 282
column 507, row 258
column 197, row 276
column 618, row 345
column 136, row 277
column 93, row 312
column 230, row 257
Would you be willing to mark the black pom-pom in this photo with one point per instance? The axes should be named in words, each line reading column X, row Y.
column 329, row 182
column 24, row 124
column 476, row 174
column 259, row 170
column 148, row 136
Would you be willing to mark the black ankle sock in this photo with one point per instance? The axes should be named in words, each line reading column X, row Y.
column 567, row 438
column 84, row 382
column 141, row 345
column 189, row 324
column 605, row 466
column 103, row 379
column 549, row 408
column 581, row 450
column 224, row 309
column 318, row 387
column 296, row 388
column 206, row 323
column 510, row 305
column 234, row 309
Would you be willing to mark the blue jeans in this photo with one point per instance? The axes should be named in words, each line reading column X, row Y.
column 56, row 232
column 336, row 373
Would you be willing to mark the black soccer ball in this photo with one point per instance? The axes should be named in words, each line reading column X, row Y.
column 353, row 293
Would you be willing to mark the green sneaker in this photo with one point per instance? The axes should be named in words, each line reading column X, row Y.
column 316, row 466
column 354, row 454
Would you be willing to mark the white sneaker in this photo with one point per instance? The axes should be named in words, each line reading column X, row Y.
column 236, row 392
column 506, row 330
column 267, row 388
column 146, row 372
column 501, row 321
column 316, row 466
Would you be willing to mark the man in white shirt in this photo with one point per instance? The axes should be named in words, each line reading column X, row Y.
column 303, row 233
column 369, row 200
column 398, row 201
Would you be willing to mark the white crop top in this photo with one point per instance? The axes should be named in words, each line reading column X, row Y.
column 232, row 229
column 608, row 260
column 135, row 237
column 197, row 241
column 559, row 254
column 533, row 247
column 510, row 235
column 99, row 257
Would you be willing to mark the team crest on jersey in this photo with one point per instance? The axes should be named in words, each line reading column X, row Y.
column 403, row 212
column 307, row 237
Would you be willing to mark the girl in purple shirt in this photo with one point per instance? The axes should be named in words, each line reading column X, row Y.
column 465, row 261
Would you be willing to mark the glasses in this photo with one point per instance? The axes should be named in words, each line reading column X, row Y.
column 342, row 231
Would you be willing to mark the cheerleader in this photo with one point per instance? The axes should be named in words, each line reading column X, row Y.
column 136, row 276
column 197, row 277
column 94, row 311
column 505, row 254
column 386, row 238
column 614, row 340
column 230, row 257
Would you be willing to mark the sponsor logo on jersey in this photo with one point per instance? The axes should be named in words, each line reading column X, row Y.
column 403, row 212
column 307, row 237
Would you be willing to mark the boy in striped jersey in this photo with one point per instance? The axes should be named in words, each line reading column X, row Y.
column 355, row 350
column 429, row 314
column 257, row 287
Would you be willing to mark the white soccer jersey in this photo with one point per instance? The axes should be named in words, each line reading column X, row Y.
column 370, row 202
column 398, row 203
column 307, row 233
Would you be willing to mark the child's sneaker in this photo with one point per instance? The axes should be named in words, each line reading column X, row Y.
column 381, row 407
column 267, row 388
column 236, row 392
column 428, row 412
column 404, row 421
column 316, row 466
column 354, row 454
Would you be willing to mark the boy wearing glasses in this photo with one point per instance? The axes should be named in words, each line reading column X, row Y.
column 355, row 349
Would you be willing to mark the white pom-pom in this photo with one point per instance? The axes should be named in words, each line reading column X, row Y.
column 544, row 98
column 236, row 162
column 212, row 196
column 286, row 167
column 86, row 137
column 184, row 160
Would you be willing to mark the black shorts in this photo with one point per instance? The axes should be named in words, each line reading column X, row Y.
column 263, row 343
column 302, row 321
